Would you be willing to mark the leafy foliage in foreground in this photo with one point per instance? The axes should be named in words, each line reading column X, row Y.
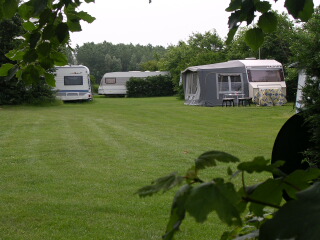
column 200, row 197
column 245, row 10
column 47, row 25
column 13, row 91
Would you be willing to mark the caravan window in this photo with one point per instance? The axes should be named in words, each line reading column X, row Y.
column 265, row 75
column 110, row 80
column 229, row 83
column 73, row 80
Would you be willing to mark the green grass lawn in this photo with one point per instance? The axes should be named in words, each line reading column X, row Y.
column 70, row 171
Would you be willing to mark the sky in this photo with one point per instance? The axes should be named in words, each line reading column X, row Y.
column 162, row 22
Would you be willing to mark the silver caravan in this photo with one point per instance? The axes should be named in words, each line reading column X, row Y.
column 114, row 83
column 208, row 85
column 73, row 83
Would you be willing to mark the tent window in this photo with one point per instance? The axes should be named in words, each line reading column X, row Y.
column 73, row 80
column 110, row 80
column 265, row 75
column 193, row 84
column 229, row 83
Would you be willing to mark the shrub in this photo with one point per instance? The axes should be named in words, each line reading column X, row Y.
column 154, row 86
column 40, row 93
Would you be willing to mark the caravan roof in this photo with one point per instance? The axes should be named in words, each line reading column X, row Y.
column 236, row 63
column 133, row 74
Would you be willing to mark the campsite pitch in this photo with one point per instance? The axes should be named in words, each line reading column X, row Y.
column 70, row 171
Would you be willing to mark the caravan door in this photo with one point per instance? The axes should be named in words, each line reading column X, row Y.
column 192, row 88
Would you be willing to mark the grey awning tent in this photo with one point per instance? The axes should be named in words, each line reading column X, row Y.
column 206, row 85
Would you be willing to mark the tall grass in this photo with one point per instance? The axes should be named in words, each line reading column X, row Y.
column 70, row 171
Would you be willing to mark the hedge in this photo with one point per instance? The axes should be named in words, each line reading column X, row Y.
column 154, row 86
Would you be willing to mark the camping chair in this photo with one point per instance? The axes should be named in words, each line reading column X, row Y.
column 244, row 101
column 228, row 102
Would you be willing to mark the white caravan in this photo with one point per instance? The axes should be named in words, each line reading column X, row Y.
column 114, row 83
column 73, row 83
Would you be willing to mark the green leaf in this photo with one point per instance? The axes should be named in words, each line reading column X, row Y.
column 48, row 32
column 209, row 159
column 19, row 74
column 307, row 12
column 302, row 9
column 62, row 32
column 34, row 38
column 254, row 38
column 248, row 11
column 234, row 5
column 297, row 219
column 59, row 59
column 191, row 175
column 46, row 62
column 29, row 26
column 30, row 74
column 89, row 1
column 25, row 11
column 47, row 17
column 231, row 34
column 50, row 79
column 44, row 49
column 10, row 7
column 263, row 6
column 178, row 212
column 268, row 22
column 5, row 68
column 74, row 25
column 86, row 17
column 260, row 164
column 214, row 196
column 234, row 20
column 300, row 179
column 30, row 56
column 269, row 193
column 161, row 184
column 39, row 6
column 12, row 72
column 15, row 55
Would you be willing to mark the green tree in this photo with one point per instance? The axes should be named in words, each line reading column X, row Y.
column 307, row 53
column 133, row 64
column 276, row 44
column 238, row 48
column 152, row 65
column 93, row 56
column 113, row 64
column 245, row 11
column 12, row 91
column 199, row 49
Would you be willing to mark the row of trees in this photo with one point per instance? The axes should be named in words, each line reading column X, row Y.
column 107, row 57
